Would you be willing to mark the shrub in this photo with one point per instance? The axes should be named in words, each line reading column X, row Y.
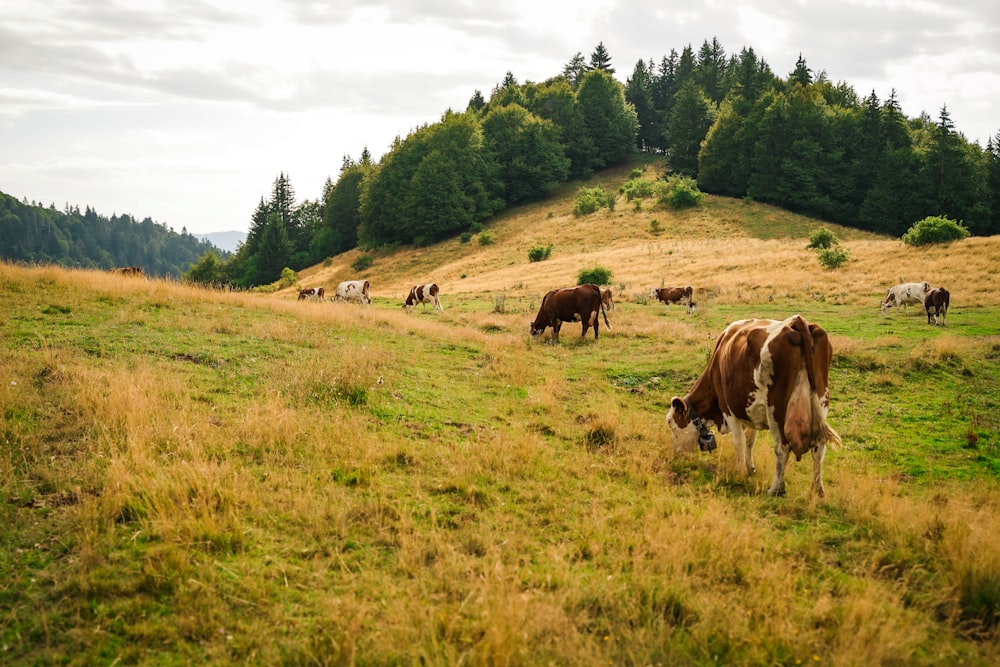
column 638, row 188
column 654, row 226
column 465, row 237
column 476, row 227
column 485, row 238
column 935, row 229
column 822, row 238
column 362, row 262
column 679, row 192
column 597, row 275
column 288, row 278
column 831, row 258
column 589, row 200
column 539, row 252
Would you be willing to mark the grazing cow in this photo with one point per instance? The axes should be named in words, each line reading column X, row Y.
column 608, row 300
column 938, row 299
column 762, row 374
column 317, row 292
column 669, row 295
column 353, row 290
column 903, row 295
column 564, row 305
column 131, row 271
column 424, row 294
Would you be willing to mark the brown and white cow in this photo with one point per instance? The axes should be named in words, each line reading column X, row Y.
column 353, row 290
column 763, row 374
column 565, row 305
column 317, row 292
column 424, row 294
column 901, row 296
column 669, row 295
column 938, row 299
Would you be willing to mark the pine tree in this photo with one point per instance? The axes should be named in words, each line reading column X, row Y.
column 575, row 69
column 600, row 59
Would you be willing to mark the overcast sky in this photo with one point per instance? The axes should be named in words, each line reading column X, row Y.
column 186, row 111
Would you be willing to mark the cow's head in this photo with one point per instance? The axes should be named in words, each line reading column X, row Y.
column 537, row 327
column 889, row 302
column 652, row 292
column 687, row 428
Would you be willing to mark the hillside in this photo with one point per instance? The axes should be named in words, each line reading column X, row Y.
column 190, row 476
column 718, row 248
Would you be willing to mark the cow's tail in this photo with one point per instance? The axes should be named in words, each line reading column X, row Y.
column 606, row 323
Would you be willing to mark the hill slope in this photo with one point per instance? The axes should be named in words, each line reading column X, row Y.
column 195, row 476
column 719, row 248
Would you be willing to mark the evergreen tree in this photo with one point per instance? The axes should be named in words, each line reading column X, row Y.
column 610, row 121
column 801, row 75
column 600, row 59
column 477, row 102
column 638, row 93
column 575, row 69
column 710, row 70
column 275, row 251
column 993, row 184
column 690, row 119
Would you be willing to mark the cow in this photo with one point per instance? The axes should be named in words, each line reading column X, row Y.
column 903, row 295
column 353, row 290
column 669, row 295
column 317, row 292
column 564, row 305
column 424, row 294
column 763, row 374
column 607, row 298
column 130, row 271
column 937, row 299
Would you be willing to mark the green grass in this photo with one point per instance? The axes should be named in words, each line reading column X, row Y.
column 195, row 477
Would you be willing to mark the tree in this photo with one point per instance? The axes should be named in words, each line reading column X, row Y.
column 275, row 251
column 801, row 75
column 575, row 69
column 611, row 122
column 555, row 101
column 690, row 119
column 710, row 70
column 527, row 150
column 638, row 93
column 600, row 59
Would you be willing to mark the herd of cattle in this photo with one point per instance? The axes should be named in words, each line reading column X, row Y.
column 762, row 374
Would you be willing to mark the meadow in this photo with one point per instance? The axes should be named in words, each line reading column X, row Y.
column 193, row 476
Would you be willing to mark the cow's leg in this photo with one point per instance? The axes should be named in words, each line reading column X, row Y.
column 741, row 446
column 781, row 460
column 555, row 330
column 818, row 453
column 751, row 437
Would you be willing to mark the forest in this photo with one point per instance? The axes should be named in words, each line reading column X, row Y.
column 33, row 234
column 801, row 142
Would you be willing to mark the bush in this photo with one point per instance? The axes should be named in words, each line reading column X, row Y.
column 465, row 237
column 679, row 192
column 597, row 275
column 638, row 188
column 935, row 229
column 831, row 258
column 288, row 278
column 539, row 252
column 822, row 238
column 362, row 262
column 589, row 200
column 485, row 238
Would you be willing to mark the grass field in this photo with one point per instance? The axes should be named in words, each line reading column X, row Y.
column 194, row 476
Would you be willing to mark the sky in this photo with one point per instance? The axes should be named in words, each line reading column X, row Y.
column 186, row 111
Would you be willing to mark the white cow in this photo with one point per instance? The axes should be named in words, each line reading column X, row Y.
column 353, row 290
column 903, row 295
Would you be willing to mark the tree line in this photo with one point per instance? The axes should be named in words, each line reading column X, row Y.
column 799, row 142
column 34, row 234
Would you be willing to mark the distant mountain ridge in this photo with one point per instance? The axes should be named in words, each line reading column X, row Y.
column 228, row 241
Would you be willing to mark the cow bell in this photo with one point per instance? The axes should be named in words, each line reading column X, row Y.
column 706, row 441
